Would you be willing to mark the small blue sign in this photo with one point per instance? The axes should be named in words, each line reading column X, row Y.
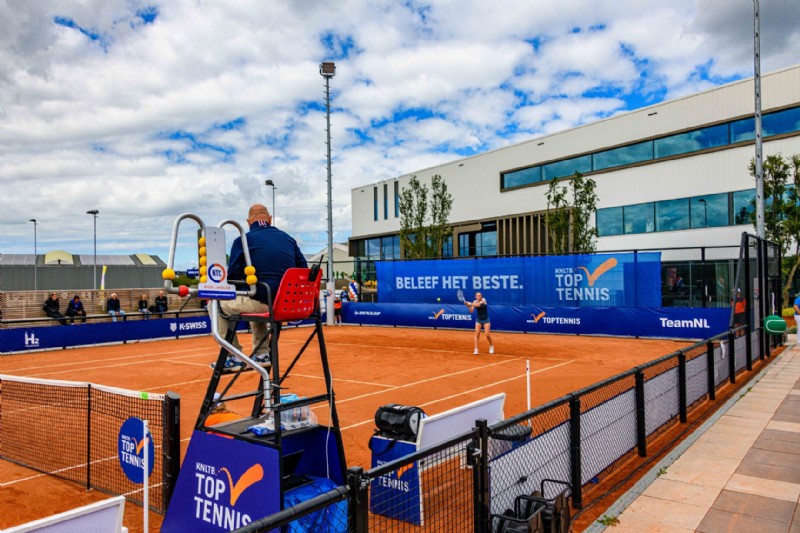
column 192, row 272
column 397, row 494
column 131, row 450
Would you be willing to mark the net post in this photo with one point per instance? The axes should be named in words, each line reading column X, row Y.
column 89, row 436
column 172, row 440
column 682, row 386
column 641, row 426
column 575, row 450
column 358, row 500
column 732, row 357
column 710, row 373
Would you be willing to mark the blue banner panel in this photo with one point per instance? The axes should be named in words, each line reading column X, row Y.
column 224, row 484
column 397, row 494
column 669, row 322
column 586, row 280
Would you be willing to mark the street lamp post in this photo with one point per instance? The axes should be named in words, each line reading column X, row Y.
column 328, row 70
column 271, row 183
column 94, row 213
column 35, row 256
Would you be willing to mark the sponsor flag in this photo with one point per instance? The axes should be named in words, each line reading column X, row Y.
column 352, row 291
column 103, row 279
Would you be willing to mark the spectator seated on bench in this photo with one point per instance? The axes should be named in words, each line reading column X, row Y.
column 113, row 307
column 75, row 308
column 51, row 306
column 143, row 307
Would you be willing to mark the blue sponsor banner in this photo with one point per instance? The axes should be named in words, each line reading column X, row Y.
column 397, row 494
column 224, row 484
column 593, row 280
column 683, row 323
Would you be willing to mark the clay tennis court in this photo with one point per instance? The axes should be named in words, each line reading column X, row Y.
column 371, row 366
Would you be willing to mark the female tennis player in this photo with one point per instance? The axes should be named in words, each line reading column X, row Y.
column 481, row 320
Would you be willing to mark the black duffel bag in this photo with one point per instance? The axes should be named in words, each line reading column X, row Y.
column 398, row 422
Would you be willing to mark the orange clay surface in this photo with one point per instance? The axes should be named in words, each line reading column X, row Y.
column 371, row 366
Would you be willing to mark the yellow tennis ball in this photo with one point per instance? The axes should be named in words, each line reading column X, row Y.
column 203, row 261
column 203, row 270
column 202, row 251
column 249, row 270
column 167, row 273
column 201, row 241
column 203, row 279
column 251, row 280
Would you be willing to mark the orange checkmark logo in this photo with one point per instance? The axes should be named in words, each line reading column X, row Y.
column 538, row 317
column 253, row 475
column 403, row 469
column 437, row 315
column 604, row 267
column 140, row 445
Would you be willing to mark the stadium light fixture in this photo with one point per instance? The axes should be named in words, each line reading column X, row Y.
column 94, row 213
column 270, row 183
column 35, row 254
column 328, row 70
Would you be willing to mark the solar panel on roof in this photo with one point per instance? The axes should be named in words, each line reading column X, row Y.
column 17, row 259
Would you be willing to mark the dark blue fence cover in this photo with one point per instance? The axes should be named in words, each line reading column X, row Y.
column 590, row 280
column 673, row 322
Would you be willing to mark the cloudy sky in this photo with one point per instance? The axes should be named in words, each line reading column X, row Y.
column 148, row 109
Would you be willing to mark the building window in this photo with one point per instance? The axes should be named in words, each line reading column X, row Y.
column 743, row 206
column 447, row 247
column 691, row 141
column 385, row 201
column 390, row 247
column 638, row 218
column 567, row 167
column 672, row 215
column 710, row 211
column 375, row 203
column 396, row 199
column 609, row 221
column 373, row 249
column 782, row 122
column 625, row 155
column 479, row 243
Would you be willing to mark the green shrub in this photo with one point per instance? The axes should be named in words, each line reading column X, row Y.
column 792, row 330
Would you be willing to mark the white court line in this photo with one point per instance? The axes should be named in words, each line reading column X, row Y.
column 343, row 380
column 467, row 392
column 396, row 387
column 84, row 363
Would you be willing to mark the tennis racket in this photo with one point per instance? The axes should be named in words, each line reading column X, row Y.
column 460, row 296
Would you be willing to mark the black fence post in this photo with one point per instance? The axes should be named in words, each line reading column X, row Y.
column 682, row 385
column 641, row 429
column 172, row 448
column 480, row 476
column 732, row 357
column 358, row 500
column 750, row 314
column 712, row 385
column 575, row 450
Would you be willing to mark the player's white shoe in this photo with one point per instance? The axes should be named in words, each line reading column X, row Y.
column 475, row 352
column 491, row 349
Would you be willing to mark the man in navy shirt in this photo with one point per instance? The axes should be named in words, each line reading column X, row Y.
column 272, row 252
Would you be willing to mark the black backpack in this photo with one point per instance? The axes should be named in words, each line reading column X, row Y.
column 398, row 422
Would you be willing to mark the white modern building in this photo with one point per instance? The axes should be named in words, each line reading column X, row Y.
column 670, row 175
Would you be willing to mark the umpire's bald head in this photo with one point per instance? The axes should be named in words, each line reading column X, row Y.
column 258, row 212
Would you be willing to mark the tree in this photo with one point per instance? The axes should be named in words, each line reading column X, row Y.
column 569, row 222
column 782, row 209
column 424, row 224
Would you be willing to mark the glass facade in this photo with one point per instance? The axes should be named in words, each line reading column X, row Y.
column 776, row 123
column 479, row 243
column 708, row 211
column 390, row 247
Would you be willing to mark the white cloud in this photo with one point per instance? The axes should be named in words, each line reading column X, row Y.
column 86, row 123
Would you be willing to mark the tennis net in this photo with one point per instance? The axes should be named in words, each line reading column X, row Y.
column 71, row 430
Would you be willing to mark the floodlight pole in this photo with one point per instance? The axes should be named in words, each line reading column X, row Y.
column 94, row 213
column 328, row 70
column 760, row 229
column 271, row 183
column 35, row 255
